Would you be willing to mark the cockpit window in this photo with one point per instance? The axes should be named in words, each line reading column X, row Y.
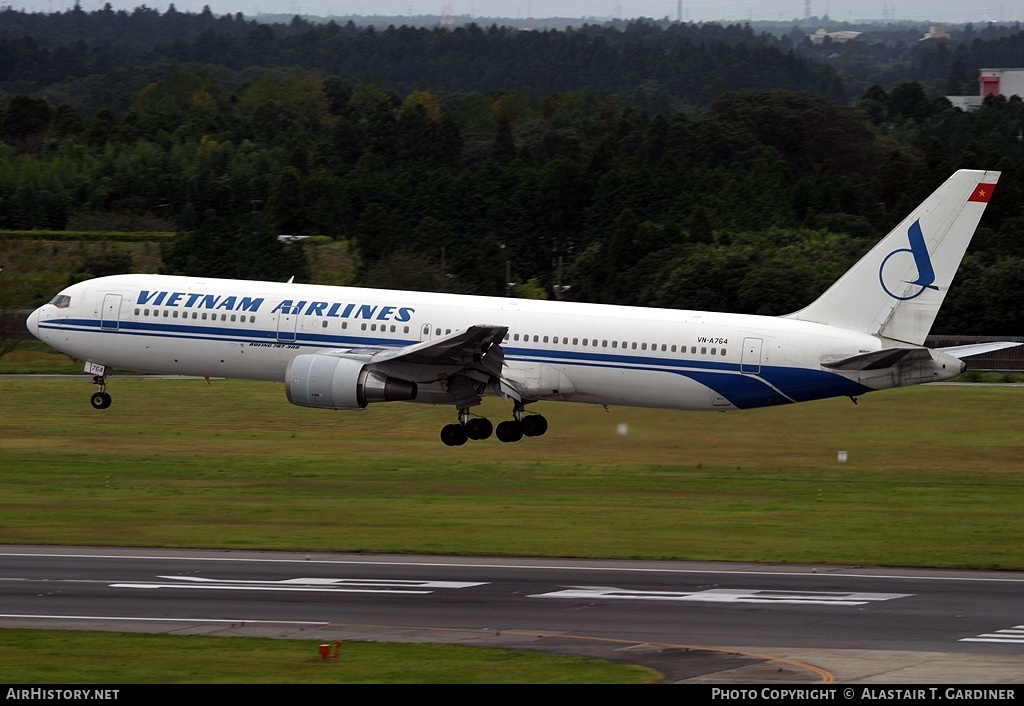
column 61, row 301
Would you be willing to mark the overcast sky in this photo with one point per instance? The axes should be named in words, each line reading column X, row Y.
column 692, row 10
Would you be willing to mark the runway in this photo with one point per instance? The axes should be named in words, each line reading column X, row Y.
column 694, row 622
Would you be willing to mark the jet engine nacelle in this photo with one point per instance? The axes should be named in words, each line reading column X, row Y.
column 327, row 382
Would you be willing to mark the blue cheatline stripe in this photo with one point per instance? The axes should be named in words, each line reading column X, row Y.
column 220, row 333
column 772, row 386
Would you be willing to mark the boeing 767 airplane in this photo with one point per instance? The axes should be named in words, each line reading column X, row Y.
column 343, row 348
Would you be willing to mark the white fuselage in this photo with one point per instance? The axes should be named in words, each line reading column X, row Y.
column 592, row 353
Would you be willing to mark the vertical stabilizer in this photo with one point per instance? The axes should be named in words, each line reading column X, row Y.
column 895, row 291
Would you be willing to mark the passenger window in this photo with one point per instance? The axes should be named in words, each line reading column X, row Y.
column 723, row 351
column 713, row 352
column 324, row 324
column 643, row 346
column 703, row 350
column 634, row 345
column 615, row 344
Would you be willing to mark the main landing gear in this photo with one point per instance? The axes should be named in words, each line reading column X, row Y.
column 516, row 429
column 101, row 398
column 481, row 428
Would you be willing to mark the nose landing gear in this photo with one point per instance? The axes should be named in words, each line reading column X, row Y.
column 101, row 398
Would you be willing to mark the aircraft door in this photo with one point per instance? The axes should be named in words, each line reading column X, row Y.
column 425, row 332
column 750, row 362
column 110, row 315
column 287, row 324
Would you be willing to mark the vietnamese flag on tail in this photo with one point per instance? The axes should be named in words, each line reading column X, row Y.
column 982, row 193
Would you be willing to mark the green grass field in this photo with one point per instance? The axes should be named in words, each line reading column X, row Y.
column 35, row 657
column 933, row 477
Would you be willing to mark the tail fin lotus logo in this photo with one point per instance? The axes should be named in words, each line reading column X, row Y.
column 923, row 262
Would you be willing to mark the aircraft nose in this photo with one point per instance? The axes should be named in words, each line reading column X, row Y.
column 33, row 323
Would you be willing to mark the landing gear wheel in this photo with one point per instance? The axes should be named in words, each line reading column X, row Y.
column 479, row 428
column 534, row 425
column 100, row 400
column 509, row 431
column 453, row 435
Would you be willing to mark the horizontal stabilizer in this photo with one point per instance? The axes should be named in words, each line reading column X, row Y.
column 879, row 360
column 960, row 352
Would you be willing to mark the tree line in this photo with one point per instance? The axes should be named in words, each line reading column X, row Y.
column 753, row 205
column 89, row 58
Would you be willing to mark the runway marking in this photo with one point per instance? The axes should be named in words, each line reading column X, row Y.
column 235, row 621
column 1013, row 636
column 726, row 595
column 303, row 585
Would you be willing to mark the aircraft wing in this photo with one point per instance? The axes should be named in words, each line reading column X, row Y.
column 466, row 362
column 878, row 360
column 477, row 346
column 472, row 359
